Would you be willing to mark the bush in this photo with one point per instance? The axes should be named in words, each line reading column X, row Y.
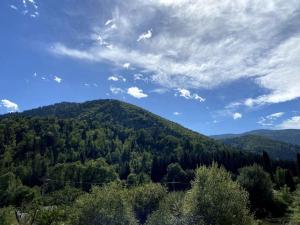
column 260, row 188
column 145, row 199
column 216, row 199
column 104, row 205
column 170, row 212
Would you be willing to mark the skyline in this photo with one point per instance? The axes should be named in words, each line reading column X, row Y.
column 214, row 67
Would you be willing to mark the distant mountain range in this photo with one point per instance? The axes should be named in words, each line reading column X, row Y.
column 279, row 144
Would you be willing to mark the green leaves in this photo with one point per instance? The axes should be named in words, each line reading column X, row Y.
column 104, row 206
column 216, row 199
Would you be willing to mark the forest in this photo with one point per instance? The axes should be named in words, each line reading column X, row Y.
column 107, row 162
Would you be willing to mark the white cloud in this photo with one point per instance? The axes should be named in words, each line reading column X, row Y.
column 160, row 90
column 14, row 7
column 57, row 79
column 177, row 113
column 138, row 76
column 108, row 22
column 116, row 90
column 136, row 92
column 237, row 116
column 270, row 119
column 187, row 95
column 275, row 115
column 144, row 36
column 116, row 78
column 9, row 105
column 254, row 39
column 113, row 78
column 126, row 65
column 30, row 7
column 292, row 123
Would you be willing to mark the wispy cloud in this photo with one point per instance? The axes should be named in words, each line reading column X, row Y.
column 27, row 7
column 9, row 105
column 291, row 123
column 14, row 7
column 177, row 113
column 116, row 90
column 113, row 78
column 136, row 92
column 270, row 119
column 252, row 39
column 57, row 79
column 188, row 95
column 144, row 36
column 116, row 78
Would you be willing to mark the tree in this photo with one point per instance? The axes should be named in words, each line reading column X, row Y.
column 6, row 216
column 104, row 205
column 259, row 186
column 145, row 199
column 216, row 199
column 170, row 212
column 267, row 163
column 176, row 177
column 295, row 208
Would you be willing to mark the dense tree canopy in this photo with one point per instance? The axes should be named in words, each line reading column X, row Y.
column 94, row 163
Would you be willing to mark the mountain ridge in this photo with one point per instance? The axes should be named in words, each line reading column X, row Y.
column 290, row 136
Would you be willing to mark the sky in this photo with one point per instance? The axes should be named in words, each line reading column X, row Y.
column 212, row 66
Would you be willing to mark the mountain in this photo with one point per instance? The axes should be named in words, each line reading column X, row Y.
column 291, row 136
column 100, row 141
column 257, row 144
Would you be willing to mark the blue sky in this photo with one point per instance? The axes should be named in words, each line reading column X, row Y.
column 213, row 66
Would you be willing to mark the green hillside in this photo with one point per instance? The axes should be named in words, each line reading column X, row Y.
column 291, row 136
column 106, row 160
column 258, row 144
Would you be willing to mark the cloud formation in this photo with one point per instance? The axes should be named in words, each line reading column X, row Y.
column 292, row 123
column 205, row 44
column 237, row 116
column 27, row 7
column 136, row 92
column 144, row 36
column 270, row 119
column 9, row 105
column 116, row 90
column 116, row 78
column 187, row 95
column 57, row 79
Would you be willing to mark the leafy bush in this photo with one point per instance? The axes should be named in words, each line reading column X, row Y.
column 216, row 199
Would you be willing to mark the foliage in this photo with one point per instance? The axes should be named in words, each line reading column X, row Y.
column 170, row 212
column 277, row 150
column 259, row 186
column 216, row 199
column 6, row 216
column 106, row 205
column 295, row 208
column 51, row 157
column 145, row 199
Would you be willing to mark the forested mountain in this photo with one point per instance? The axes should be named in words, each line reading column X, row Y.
column 258, row 144
column 105, row 157
column 291, row 136
column 67, row 140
